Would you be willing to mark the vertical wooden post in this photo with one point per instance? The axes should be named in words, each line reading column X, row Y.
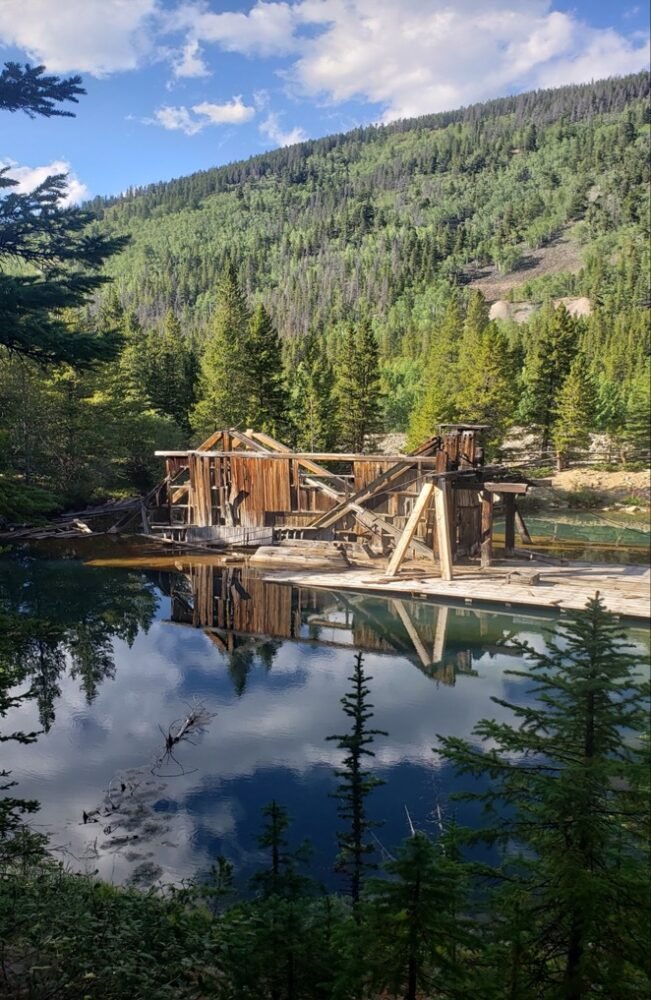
column 410, row 529
column 486, row 529
column 509, row 523
column 521, row 528
column 441, row 491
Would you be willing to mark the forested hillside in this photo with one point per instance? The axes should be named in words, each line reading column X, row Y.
column 325, row 291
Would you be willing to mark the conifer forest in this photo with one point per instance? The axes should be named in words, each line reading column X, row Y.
column 486, row 266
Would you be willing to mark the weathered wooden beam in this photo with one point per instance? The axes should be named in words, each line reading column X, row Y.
column 521, row 528
column 509, row 523
column 486, row 528
column 443, row 527
column 520, row 488
column 405, row 539
column 310, row 458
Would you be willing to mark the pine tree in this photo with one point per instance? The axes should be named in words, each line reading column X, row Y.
column 546, row 368
column 171, row 372
column 637, row 428
column 569, row 815
column 574, row 414
column 438, row 403
column 281, row 877
column 269, row 392
column 487, row 391
column 413, row 930
column 312, row 406
column 54, row 259
column 225, row 383
column 357, row 387
column 356, row 783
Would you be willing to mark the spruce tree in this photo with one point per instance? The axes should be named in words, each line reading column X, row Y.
column 438, row 403
column 268, row 410
column 50, row 260
column 225, row 379
column 312, row 406
column 357, row 387
column 414, row 932
column 171, row 372
column 637, row 427
column 281, row 877
column 569, row 814
column 546, row 368
column 356, row 782
column 488, row 386
column 574, row 413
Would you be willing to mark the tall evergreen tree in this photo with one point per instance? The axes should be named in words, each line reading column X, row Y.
column 356, row 782
column 546, row 368
column 171, row 372
column 574, row 413
column 312, row 406
column 225, row 381
column 569, row 815
column 438, row 403
column 269, row 392
column 487, row 384
column 54, row 259
column 637, row 428
column 357, row 387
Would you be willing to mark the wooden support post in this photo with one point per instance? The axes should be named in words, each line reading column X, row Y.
column 486, row 529
column 410, row 529
column 443, row 528
column 521, row 528
column 509, row 523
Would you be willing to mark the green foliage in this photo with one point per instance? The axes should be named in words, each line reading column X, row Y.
column 637, row 429
column 574, row 413
column 269, row 391
column 357, row 387
column 547, row 367
column 29, row 503
column 50, row 260
column 225, row 385
column 312, row 404
column 566, row 807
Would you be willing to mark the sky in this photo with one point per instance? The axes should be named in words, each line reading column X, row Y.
column 175, row 86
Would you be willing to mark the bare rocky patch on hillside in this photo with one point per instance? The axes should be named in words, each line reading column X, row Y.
column 563, row 253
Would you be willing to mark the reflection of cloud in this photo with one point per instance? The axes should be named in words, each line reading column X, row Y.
column 273, row 728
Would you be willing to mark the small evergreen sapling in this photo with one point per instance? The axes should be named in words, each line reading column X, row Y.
column 356, row 783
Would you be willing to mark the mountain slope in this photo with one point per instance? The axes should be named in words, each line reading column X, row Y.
column 384, row 219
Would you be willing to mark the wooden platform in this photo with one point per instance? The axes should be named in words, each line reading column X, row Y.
column 624, row 589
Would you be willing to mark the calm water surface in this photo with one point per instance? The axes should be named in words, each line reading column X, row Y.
column 117, row 655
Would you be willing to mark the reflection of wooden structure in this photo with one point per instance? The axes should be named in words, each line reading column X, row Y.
column 237, row 609
column 249, row 489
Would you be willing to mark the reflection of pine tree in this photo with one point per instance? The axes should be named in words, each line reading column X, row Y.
column 569, row 807
column 355, row 782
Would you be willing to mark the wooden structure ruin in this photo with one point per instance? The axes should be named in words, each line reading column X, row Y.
column 247, row 489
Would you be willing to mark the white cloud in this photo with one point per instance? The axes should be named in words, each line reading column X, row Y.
column 195, row 119
column 430, row 55
column 273, row 131
column 234, row 112
column 175, row 119
column 408, row 57
column 90, row 36
column 190, row 61
column 267, row 29
column 30, row 177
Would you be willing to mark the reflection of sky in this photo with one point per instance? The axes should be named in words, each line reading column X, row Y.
column 269, row 742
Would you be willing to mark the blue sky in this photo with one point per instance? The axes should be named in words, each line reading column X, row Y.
column 176, row 86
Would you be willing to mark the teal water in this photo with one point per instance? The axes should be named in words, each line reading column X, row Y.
column 117, row 656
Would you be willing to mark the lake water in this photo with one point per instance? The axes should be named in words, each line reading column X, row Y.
column 119, row 654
